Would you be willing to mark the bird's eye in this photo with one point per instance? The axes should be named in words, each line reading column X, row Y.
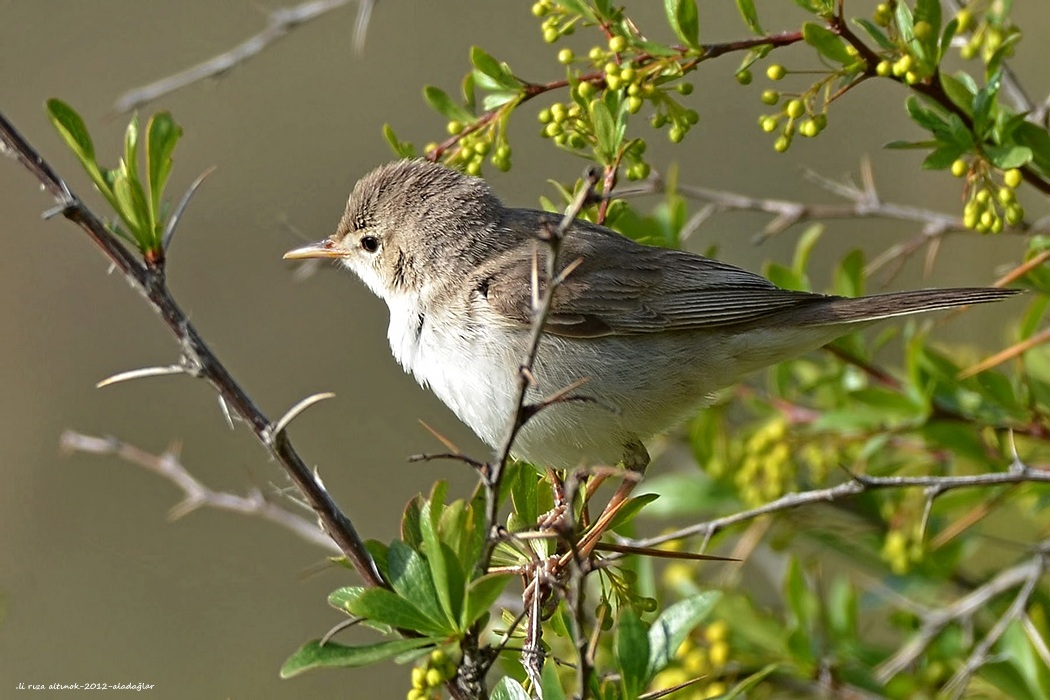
column 370, row 243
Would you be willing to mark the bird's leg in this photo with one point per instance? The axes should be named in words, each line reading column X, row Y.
column 635, row 460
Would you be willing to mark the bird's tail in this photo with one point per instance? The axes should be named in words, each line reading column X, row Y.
column 843, row 310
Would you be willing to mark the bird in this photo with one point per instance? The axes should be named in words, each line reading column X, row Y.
column 652, row 331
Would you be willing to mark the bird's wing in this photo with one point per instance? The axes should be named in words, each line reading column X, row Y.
column 624, row 288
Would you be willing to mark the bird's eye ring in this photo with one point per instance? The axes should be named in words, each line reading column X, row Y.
column 370, row 243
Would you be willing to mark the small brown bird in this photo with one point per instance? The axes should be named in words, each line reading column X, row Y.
column 652, row 331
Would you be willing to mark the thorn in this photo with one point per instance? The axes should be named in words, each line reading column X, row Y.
column 169, row 230
column 139, row 374
column 449, row 445
column 298, row 408
column 225, row 408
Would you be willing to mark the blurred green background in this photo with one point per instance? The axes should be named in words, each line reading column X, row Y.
column 95, row 584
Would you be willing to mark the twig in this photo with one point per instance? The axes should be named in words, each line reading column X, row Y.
column 856, row 485
column 168, row 466
column 149, row 281
column 281, row 22
column 521, row 412
column 1026, row 573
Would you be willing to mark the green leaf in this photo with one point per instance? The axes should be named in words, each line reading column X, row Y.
column 849, row 275
column 481, row 596
column 604, row 131
column 942, row 157
column 131, row 208
column 498, row 98
column 684, row 20
column 958, row 91
column 674, row 624
column 508, row 689
column 497, row 74
column 400, row 149
column 71, row 128
column 741, row 689
column 441, row 103
column 926, row 118
column 876, row 33
column 827, row 43
column 910, row 145
column 550, row 683
column 439, row 564
column 631, row 509
column 331, row 655
column 750, row 15
column 1006, row 157
column 632, row 653
column 162, row 134
column 388, row 608
column 1037, row 139
column 804, row 249
column 684, row 494
column 411, row 578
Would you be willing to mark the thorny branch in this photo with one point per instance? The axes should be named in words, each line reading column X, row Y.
column 280, row 22
column 859, row 483
column 149, row 281
column 196, row 495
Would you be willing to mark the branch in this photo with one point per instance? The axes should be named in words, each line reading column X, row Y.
column 150, row 282
column 280, row 23
column 196, row 495
column 540, row 312
column 1026, row 573
column 859, row 483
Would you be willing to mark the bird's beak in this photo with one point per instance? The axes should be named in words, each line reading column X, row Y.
column 320, row 249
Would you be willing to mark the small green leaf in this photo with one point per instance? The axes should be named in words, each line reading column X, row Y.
column 400, row 149
column 632, row 653
column 331, row 655
column 741, row 689
column 827, row 43
column 942, row 158
column 957, row 91
column 804, row 248
column 508, row 689
column 71, row 128
column 674, row 624
column 1006, row 157
column 162, row 133
column 441, row 103
column 876, row 33
column 550, row 683
column 631, row 509
column 388, row 608
column 499, row 76
column 498, row 98
column 481, row 595
column 438, row 563
column 604, row 131
column 684, row 20
column 411, row 578
column 750, row 15
column 131, row 208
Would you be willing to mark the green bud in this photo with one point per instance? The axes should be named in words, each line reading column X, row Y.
column 781, row 144
column 676, row 134
column 770, row 97
column 776, row 72
column 587, row 90
column 922, row 30
column 1014, row 214
column 692, row 117
column 769, row 124
column 960, row 167
column 658, row 121
column 545, row 116
column 634, row 104
column 617, row 44
column 596, row 53
column 628, row 75
column 883, row 68
column 744, row 77
column 539, row 9
column 566, row 56
column 795, row 109
column 1012, row 178
column 550, row 35
column 684, row 88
